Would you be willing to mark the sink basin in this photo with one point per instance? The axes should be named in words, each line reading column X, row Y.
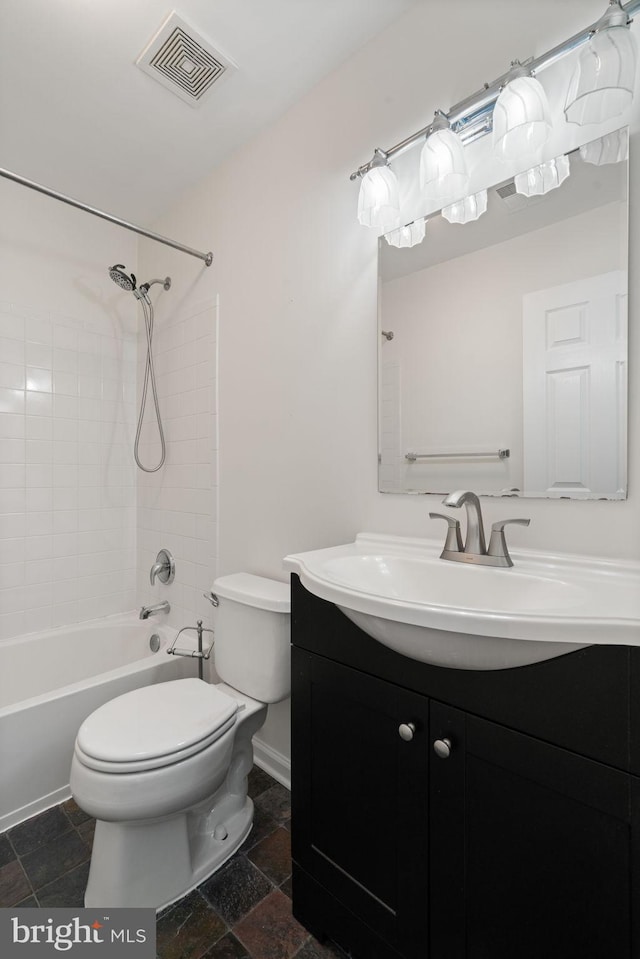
column 403, row 595
column 462, row 587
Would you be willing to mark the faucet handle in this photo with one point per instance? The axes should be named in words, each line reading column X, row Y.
column 498, row 543
column 164, row 568
column 453, row 542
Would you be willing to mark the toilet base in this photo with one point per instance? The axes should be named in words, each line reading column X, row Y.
column 156, row 863
column 152, row 862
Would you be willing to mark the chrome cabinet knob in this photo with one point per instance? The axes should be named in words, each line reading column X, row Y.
column 442, row 748
column 406, row 731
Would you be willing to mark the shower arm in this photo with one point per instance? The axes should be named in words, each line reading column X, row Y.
column 39, row 188
column 142, row 292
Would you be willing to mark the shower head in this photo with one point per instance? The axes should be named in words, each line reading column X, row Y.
column 123, row 279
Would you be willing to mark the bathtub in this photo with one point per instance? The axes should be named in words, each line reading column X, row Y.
column 50, row 682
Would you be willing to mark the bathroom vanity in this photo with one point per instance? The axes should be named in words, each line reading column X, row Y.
column 443, row 813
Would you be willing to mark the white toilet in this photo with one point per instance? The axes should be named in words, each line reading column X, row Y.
column 163, row 769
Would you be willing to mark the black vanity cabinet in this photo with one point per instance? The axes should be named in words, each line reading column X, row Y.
column 359, row 790
column 454, row 814
column 529, row 847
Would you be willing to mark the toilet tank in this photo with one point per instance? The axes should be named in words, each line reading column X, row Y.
column 252, row 635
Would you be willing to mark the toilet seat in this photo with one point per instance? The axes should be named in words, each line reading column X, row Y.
column 155, row 726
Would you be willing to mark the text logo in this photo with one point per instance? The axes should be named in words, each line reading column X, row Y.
column 33, row 933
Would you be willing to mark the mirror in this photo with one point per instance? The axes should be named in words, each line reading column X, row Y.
column 503, row 346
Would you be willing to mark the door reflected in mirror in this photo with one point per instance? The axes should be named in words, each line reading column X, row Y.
column 503, row 361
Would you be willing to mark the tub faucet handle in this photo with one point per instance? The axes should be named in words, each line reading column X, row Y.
column 164, row 568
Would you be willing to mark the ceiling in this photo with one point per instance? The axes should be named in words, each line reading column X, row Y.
column 78, row 116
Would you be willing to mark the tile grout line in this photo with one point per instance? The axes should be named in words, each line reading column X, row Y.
column 72, row 828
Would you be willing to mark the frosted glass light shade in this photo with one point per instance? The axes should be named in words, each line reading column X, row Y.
column 603, row 81
column 521, row 119
column 544, row 177
column 443, row 167
column 466, row 210
column 379, row 200
column 406, row 236
column 611, row 148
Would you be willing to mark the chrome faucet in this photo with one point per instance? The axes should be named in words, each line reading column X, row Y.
column 474, row 549
column 475, row 541
column 147, row 611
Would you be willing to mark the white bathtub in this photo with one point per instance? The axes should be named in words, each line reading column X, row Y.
column 50, row 682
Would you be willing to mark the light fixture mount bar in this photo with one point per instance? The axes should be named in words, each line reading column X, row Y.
column 471, row 117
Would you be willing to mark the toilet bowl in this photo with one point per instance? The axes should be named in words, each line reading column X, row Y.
column 163, row 769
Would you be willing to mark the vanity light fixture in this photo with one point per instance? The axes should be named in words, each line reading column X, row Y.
column 544, row 177
column 468, row 209
column 514, row 107
column 406, row 236
column 521, row 116
column 379, row 197
column 603, row 81
column 443, row 168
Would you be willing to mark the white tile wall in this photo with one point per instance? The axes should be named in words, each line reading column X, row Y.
column 177, row 507
column 67, row 479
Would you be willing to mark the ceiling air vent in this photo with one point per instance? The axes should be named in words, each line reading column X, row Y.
column 183, row 61
column 508, row 189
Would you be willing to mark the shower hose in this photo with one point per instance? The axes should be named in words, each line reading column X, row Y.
column 149, row 375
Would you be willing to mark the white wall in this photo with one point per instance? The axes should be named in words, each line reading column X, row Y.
column 297, row 281
column 67, row 395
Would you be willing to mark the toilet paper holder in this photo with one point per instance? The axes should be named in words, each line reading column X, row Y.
column 198, row 653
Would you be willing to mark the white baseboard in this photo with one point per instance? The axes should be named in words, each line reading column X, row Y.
column 17, row 816
column 273, row 762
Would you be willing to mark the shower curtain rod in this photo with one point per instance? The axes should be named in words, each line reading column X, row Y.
column 32, row 185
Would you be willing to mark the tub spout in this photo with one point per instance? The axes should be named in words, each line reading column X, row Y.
column 147, row 611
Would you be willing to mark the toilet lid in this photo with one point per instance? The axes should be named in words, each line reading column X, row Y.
column 155, row 725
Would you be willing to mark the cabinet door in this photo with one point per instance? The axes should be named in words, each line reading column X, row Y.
column 360, row 797
column 529, row 848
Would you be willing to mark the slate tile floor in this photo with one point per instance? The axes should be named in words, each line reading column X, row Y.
column 241, row 912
